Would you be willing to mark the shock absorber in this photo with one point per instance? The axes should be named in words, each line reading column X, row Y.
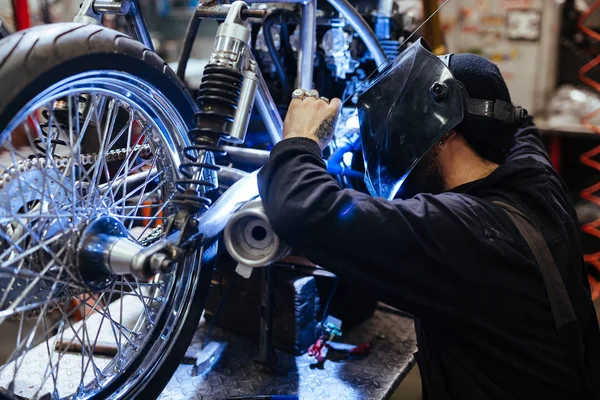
column 225, row 100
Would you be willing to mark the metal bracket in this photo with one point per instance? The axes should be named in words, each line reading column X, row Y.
column 91, row 12
column 112, row 6
column 214, row 10
column 87, row 15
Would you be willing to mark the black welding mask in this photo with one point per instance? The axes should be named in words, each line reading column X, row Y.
column 408, row 108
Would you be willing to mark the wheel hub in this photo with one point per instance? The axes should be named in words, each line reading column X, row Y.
column 94, row 248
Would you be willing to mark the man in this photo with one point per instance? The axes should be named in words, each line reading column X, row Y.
column 497, row 316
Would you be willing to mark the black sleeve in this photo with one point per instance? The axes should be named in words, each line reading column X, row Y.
column 527, row 143
column 412, row 253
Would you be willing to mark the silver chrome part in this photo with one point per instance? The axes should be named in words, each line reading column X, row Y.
column 299, row 94
column 213, row 221
column 269, row 113
column 111, row 6
column 247, row 95
column 363, row 30
column 144, row 265
column 210, row 223
column 336, row 45
column 250, row 239
column 267, row 108
column 229, row 52
column 119, row 256
column 135, row 129
column 254, row 158
column 306, row 52
column 228, row 176
column 312, row 93
column 90, row 13
column 101, row 250
column 15, row 197
column 60, row 163
column 234, row 26
column 204, row 174
column 87, row 15
column 220, row 11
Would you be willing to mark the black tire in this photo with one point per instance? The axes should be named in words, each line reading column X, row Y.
column 37, row 58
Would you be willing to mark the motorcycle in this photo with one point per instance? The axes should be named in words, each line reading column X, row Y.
column 112, row 206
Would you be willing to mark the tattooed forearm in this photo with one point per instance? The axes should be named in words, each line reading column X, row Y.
column 326, row 129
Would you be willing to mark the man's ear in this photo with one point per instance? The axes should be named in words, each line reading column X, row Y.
column 449, row 136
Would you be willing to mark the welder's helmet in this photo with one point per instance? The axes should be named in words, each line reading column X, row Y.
column 410, row 106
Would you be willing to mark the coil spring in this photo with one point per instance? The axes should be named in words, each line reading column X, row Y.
column 51, row 140
column 60, row 113
column 218, row 99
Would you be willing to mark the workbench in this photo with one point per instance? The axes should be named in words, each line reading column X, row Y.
column 376, row 376
column 232, row 371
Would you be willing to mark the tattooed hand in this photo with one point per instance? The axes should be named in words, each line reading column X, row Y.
column 312, row 118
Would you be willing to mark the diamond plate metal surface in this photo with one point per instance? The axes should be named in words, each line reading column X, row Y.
column 234, row 374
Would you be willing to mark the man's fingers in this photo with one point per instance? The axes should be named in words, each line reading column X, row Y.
column 311, row 105
column 336, row 104
column 312, row 93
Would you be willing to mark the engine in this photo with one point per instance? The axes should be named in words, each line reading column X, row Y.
column 342, row 67
column 342, row 62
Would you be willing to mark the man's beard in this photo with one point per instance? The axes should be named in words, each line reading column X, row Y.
column 426, row 177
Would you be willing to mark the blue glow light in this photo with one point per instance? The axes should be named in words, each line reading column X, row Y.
column 348, row 158
column 347, row 210
column 353, row 121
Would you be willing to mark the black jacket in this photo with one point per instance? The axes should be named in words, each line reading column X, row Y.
column 456, row 262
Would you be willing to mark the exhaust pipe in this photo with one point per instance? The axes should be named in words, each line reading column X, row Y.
column 250, row 239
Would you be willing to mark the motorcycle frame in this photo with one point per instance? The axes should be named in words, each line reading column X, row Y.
column 91, row 12
column 189, row 232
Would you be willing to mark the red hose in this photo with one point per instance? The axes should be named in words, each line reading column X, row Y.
column 589, row 194
column 21, row 14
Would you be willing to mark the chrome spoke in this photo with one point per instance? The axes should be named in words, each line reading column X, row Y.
column 146, row 197
column 138, row 294
column 81, row 146
column 26, row 291
column 126, row 172
column 160, row 210
column 66, row 318
column 30, row 337
column 34, row 249
column 102, row 150
column 30, row 274
column 130, row 159
column 144, row 186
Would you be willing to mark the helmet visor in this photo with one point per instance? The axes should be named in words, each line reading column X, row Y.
column 404, row 112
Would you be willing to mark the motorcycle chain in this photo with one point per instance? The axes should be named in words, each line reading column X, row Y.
column 62, row 162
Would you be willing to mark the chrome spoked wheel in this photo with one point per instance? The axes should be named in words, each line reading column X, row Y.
column 97, row 146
